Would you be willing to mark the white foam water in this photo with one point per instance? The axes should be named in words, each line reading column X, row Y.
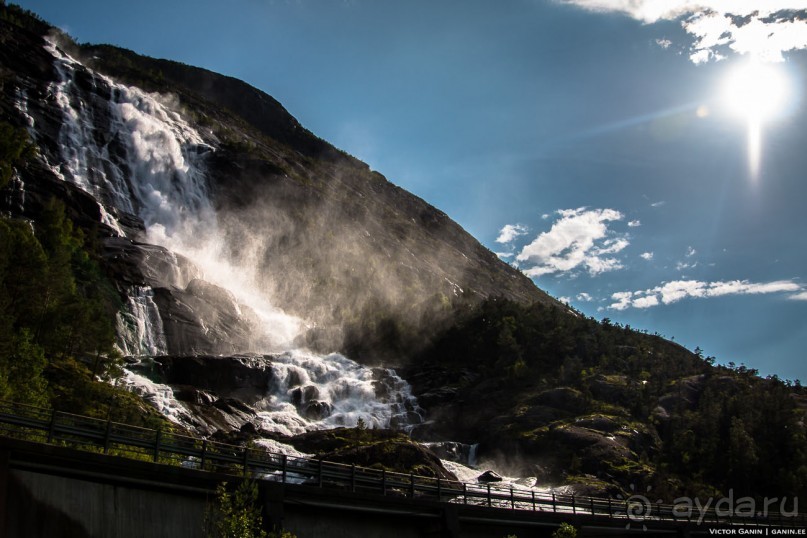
column 310, row 392
column 140, row 327
column 158, row 395
column 136, row 154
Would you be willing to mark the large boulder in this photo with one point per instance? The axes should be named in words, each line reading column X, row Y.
column 383, row 449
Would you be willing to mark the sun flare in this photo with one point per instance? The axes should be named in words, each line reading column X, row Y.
column 756, row 92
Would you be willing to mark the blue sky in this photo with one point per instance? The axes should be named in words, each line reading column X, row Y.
column 595, row 133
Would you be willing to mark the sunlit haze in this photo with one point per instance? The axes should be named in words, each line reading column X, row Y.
column 757, row 92
column 629, row 156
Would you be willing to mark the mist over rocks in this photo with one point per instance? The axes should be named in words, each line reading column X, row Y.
column 273, row 285
column 274, row 395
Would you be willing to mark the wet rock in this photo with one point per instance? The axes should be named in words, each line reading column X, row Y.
column 302, row 395
column 246, row 377
column 489, row 476
column 450, row 450
column 187, row 393
column 249, row 429
column 145, row 264
column 404, row 420
column 384, row 449
column 438, row 396
column 316, row 410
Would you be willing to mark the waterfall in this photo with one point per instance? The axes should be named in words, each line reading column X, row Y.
column 463, row 453
column 136, row 155
column 160, row 396
column 140, row 327
column 313, row 392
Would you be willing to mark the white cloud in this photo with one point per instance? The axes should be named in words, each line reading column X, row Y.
column 505, row 255
column 635, row 223
column 658, row 204
column 664, row 43
column 646, row 256
column 672, row 292
column 690, row 252
column 584, row 297
column 645, row 302
column 801, row 296
column 765, row 29
column 579, row 239
column 510, row 232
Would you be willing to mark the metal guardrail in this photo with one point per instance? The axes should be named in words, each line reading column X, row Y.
column 160, row 446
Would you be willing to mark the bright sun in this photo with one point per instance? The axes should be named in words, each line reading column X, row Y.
column 757, row 92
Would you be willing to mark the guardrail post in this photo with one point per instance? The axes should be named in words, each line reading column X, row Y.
column 353, row 478
column 106, row 436
column 591, row 499
column 204, row 454
column 489, row 499
column 412, row 485
column 284, row 469
column 574, row 505
column 533, row 499
column 246, row 460
column 464, row 493
column 384, row 482
column 610, row 512
column 52, row 426
column 319, row 471
column 157, row 441
column 439, row 492
column 554, row 503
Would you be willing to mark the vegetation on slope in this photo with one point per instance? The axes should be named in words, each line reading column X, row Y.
column 585, row 402
column 580, row 400
column 57, row 312
column 57, row 331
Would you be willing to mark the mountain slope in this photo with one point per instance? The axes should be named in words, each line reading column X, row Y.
column 373, row 267
column 227, row 228
column 352, row 246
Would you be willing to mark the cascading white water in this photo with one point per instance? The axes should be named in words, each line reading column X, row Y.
column 312, row 392
column 160, row 396
column 140, row 327
column 135, row 154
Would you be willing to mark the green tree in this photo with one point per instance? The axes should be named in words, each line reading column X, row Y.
column 565, row 531
column 21, row 371
column 235, row 515
column 57, row 312
column 15, row 150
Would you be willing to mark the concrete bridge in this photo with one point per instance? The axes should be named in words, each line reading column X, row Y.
column 159, row 485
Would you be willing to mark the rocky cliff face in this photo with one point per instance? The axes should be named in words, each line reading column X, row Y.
column 199, row 181
column 245, row 250
column 230, row 230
